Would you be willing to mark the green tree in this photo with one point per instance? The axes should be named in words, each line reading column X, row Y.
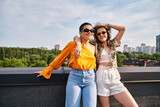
column 6, row 62
column 123, row 56
column 3, row 53
column 64, row 65
column 16, row 63
column 128, row 55
column 51, row 58
column 10, row 53
column 119, row 60
column 24, row 61
column 44, row 57
column 1, row 63
column 39, row 63
column 34, row 57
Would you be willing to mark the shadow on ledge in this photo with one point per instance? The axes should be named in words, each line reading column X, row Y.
column 19, row 87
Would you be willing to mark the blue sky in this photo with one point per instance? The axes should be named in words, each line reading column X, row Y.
column 36, row 23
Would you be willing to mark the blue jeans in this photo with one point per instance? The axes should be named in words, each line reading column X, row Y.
column 81, row 83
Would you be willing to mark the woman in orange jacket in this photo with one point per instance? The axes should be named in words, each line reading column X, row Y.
column 81, row 80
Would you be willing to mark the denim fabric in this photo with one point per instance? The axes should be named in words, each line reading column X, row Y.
column 81, row 83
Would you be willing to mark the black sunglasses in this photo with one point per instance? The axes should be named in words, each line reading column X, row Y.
column 98, row 34
column 87, row 30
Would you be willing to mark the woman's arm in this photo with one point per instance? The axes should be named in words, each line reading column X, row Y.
column 58, row 61
column 121, row 30
column 77, row 52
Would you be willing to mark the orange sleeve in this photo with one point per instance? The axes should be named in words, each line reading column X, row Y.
column 58, row 60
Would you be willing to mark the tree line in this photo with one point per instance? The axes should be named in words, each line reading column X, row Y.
column 27, row 57
column 34, row 57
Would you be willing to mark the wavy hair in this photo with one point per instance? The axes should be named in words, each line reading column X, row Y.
column 100, row 46
column 108, row 30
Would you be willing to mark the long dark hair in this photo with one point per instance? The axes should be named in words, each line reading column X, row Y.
column 100, row 45
column 108, row 30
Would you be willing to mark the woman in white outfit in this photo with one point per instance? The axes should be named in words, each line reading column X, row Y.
column 107, row 75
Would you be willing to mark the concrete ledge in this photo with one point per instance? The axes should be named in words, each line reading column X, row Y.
column 26, row 76
column 19, row 87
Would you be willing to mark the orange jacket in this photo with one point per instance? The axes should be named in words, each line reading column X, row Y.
column 85, row 62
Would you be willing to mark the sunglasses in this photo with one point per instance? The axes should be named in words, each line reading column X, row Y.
column 87, row 30
column 98, row 34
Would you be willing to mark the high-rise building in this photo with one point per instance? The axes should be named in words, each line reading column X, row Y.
column 143, row 46
column 148, row 50
column 130, row 49
column 153, row 50
column 125, row 48
column 138, row 49
column 158, row 43
column 58, row 46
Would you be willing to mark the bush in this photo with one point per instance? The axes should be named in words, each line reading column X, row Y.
column 1, row 63
column 16, row 63
column 39, row 63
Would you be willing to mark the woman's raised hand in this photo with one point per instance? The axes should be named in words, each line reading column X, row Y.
column 39, row 73
column 100, row 24
column 77, row 52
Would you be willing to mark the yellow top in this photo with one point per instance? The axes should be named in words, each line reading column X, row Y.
column 87, row 60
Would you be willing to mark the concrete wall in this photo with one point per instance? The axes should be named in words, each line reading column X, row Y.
column 19, row 87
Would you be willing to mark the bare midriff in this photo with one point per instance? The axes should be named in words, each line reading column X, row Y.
column 104, row 64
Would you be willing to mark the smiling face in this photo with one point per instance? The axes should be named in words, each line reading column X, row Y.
column 102, row 34
column 86, row 33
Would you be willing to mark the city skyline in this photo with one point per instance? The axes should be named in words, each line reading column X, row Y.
column 45, row 23
column 140, row 48
column 138, row 45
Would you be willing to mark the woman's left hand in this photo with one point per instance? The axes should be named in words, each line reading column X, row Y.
column 101, row 24
column 77, row 52
column 39, row 73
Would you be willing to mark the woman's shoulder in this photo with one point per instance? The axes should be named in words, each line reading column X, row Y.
column 72, row 43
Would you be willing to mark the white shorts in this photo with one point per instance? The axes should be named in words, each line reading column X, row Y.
column 108, row 81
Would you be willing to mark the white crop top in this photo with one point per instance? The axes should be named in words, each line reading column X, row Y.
column 104, row 57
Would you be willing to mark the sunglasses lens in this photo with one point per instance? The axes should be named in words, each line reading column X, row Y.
column 92, row 30
column 103, row 32
column 98, row 34
column 86, row 30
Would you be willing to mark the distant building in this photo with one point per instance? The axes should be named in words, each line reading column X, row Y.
column 131, row 63
column 151, row 63
column 138, row 49
column 138, row 62
column 153, row 51
column 58, row 46
column 148, row 50
column 125, row 48
column 43, row 48
column 130, row 49
column 158, row 43
column 143, row 47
